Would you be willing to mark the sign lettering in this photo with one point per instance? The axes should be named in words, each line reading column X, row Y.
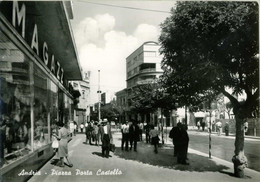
column 19, row 22
column 34, row 43
column 45, row 53
column 20, row 16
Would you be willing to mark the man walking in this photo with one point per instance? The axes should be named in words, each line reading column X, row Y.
column 125, row 136
column 134, row 135
column 106, row 138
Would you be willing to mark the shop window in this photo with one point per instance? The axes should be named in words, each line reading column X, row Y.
column 41, row 135
column 15, row 99
column 53, row 107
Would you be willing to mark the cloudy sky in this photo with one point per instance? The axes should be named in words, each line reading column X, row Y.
column 106, row 32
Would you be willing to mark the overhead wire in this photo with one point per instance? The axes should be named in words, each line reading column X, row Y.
column 127, row 7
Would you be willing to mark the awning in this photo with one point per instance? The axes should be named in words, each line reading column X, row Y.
column 53, row 28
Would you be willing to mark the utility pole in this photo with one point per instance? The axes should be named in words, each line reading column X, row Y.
column 99, row 96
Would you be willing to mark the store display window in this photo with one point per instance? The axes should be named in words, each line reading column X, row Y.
column 53, row 108
column 41, row 134
column 15, row 99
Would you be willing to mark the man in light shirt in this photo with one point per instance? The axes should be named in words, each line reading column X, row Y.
column 106, row 138
column 125, row 136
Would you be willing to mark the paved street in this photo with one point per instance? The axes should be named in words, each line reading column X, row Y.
column 223, row 147
column 142, row 165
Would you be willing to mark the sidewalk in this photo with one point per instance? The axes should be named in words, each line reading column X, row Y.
column 142, row 165
column 205, row 132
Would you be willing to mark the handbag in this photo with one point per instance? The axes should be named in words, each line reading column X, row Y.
column 112, row 147
column 55, row 144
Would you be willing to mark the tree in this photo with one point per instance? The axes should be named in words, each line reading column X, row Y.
column 109, row 111
column 142, row 99
column 147, row 98
column 210, row 47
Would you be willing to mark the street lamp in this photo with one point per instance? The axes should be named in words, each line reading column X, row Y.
column 99, row 96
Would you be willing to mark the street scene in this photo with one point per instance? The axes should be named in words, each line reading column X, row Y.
column 144, row 165
column 95, row 90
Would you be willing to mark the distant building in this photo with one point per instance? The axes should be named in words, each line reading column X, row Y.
column 82, row 112
column 107, row 97
column 143, row 66
column 121, row 102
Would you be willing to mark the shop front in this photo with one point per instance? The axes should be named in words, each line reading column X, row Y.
column 37, row 59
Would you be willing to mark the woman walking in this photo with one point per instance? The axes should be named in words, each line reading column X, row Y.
column 63, row 137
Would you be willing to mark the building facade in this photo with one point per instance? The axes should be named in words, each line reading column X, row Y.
column 37, row 59
column 82, row 109
column 143, row 66
column 121, row 102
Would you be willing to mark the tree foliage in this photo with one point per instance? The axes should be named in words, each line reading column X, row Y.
column 209, row 47
column 110, row 111
column 148, row 98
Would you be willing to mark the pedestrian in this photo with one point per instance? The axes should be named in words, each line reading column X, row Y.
column 141, row 127
column 106, row 138
column 88, row 132
column 96, row 133
column 64, row 137
column 55, row 141
column 75, row 128
column 219, row 128
column 198, row 125
column 245, row 127
column 182, row 142
column 147, row 128
column 134, row 135
column 81, row 127
column 154, row 133
column 125, row 135
column 203, row 124
column 71, row 125
column 174, row 136
column 226, row 129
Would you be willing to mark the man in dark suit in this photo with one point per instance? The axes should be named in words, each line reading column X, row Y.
column 134, row 135
column 106, row 137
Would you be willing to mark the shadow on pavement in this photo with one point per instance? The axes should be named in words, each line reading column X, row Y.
column 165, row 159
column 232, row 174
column 99, row 154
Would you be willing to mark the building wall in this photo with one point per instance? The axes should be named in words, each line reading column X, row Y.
column 147, row 55
column 34, row 87
column 142, row 67
column 82, row 112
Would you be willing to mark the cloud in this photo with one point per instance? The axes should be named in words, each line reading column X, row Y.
column 145, row 32
column 102, row 48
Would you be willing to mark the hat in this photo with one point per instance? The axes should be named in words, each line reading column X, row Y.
column 104, row 120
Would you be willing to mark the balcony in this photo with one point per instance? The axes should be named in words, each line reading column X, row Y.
column 147, row 70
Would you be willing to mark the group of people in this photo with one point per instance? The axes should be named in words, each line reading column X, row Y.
column 99, row 131
column 62, row 136
column 92, row 131
column 180, row 139
column 132, row 133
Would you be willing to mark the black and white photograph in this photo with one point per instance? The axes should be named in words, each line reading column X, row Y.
column 129, row 90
